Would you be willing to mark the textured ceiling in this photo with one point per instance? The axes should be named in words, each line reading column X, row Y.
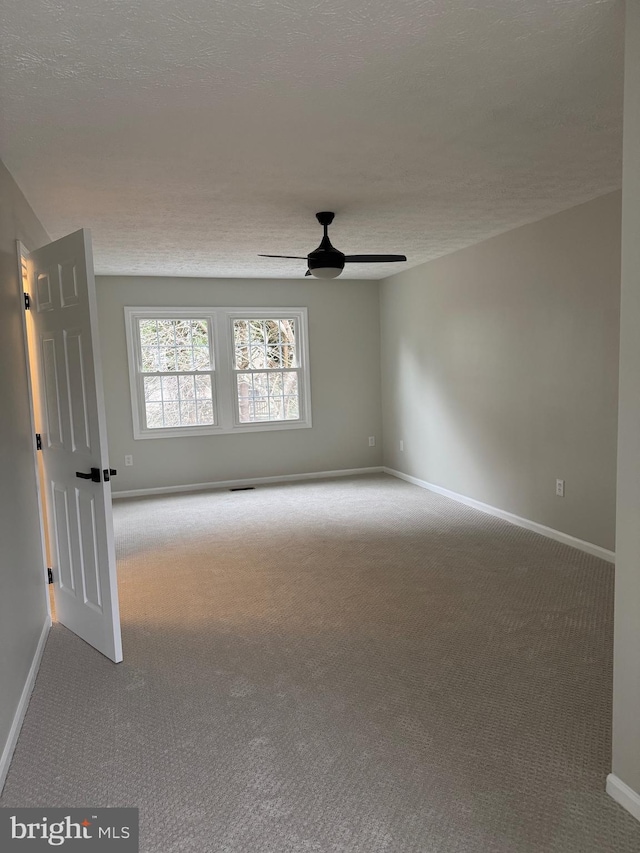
column 191, row 135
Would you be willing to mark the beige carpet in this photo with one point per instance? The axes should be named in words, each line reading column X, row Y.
column 351, row 665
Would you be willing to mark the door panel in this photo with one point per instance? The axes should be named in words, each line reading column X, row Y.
column 74, row 440
column 62, row 539
column 43, row 292
column 86, row 509
column 68, row 284
column 80, row 440
column 52, row 403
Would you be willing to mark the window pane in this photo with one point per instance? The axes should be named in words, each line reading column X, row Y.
column 245, row 393
column 179, row 345
column 260, row 384
column 201, row 358
column 171, row 412
column 152, row 388
column 274, row 356
column 169, row 388
column 241, row 356
column 148, row 332
column 184, row 359
column 166, row 358
column 166, row 334
column 289, row 356
column 292, row 408
column 149, row 359
column 256, row 334
column 183, row 333
column 205, row 412
column 288, row 338
column 188, row 413
column 264, row 344
column 260, row 409
column 186, row 385
column 154, row 415
column 275, row 408
column 257, row 356
column 290, row 383
column 176, row 401
column 267, row 396
column 203, row 387
column 241, row 330
column 200, row 333
column 275, row 384
column 272, row 331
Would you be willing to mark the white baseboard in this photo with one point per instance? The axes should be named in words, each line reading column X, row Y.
column 624, row 795
column 21, row 710
column 254, row 481
column 565, row 538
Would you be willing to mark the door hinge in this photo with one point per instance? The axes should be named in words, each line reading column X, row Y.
column 38, row 441
column 50, row 575
column 27, row 301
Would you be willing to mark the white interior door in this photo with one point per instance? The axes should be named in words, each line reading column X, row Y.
column 77, row 487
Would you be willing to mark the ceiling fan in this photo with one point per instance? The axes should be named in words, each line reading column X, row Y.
column 327, row 261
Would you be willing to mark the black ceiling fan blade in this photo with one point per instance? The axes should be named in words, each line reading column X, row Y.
column 373, row 259
column 294, row 257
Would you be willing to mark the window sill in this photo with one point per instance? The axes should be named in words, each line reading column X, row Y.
column 192, row 432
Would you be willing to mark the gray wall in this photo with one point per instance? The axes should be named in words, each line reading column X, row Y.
column 345, row 383
column 626, row 688
column 500, row 370
column 23, row 610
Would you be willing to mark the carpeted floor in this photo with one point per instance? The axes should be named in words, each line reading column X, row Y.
column 342, row 666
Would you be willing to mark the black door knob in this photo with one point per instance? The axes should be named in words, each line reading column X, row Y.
column 94, row 476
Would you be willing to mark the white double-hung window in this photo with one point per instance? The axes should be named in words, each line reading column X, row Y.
column 267, row 369
column 208, row 370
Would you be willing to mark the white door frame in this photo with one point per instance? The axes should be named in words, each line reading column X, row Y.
column 23, row 288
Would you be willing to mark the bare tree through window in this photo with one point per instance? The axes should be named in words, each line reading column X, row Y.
column 267, row 369
column 177, row 368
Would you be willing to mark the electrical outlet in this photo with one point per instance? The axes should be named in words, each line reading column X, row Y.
column 372, row 441
column 560, row 488
column 128, row 460
column 401, row 446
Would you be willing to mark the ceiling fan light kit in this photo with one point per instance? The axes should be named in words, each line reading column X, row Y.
column 328, row 262
column 326, row 272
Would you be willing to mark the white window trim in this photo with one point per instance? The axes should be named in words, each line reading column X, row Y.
column 225, row 400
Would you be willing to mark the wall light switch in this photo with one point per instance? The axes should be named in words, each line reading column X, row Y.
column 372, row 441
column 128, row 460
column 401, row 446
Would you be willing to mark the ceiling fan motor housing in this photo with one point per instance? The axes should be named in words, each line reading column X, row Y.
column 325, row 261
column 326, row 264
column 329, row 263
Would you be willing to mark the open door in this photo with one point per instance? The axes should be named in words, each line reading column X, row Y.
column 77, row 488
